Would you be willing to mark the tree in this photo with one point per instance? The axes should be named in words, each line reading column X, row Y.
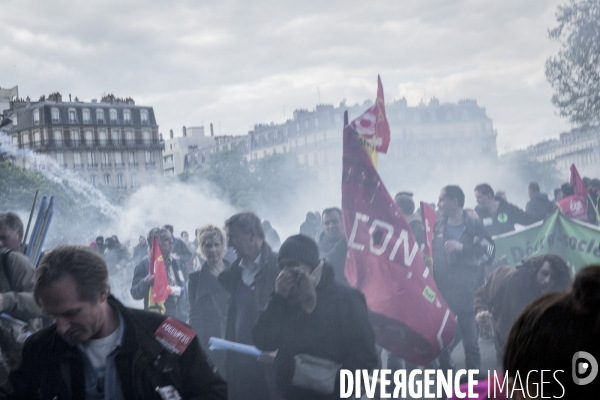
column 575, row 72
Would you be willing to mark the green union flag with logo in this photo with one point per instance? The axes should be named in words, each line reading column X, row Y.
column 576, row 242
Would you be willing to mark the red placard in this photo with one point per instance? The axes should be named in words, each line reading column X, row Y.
column 174, row 335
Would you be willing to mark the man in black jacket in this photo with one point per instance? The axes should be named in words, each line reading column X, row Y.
column 250, row 281
column 312, row 314
column 498, row 216
column 98, row 349
column 461, row 249
column 176, row 304
column 332, row 242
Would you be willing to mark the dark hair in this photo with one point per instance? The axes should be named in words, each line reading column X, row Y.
column 454, row 192
column 534, row 187
column 552, row 329
column 567, row 189
column 159, row 233
column 485, row 189
column 169, row 228
column 561, row 272
column 557, row 191
column 83, row 264
column 405, row 203
column 182, row 232
column 13, row 221
column 247, row 222
column 330, row 210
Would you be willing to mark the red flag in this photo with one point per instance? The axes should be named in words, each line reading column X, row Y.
column 157, row 268
column 428, row 217
column 574, row 207
column 409, row 316
column 577, row 183
column 372, row 125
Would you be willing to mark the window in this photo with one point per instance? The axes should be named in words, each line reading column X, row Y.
column 36, row 116
column 107, row 179
column 102, row 137
column 306, row 124
column 316, row 122
column 113, row 116
column 60, row 158
column 129, row 136
column 92, row 159
column 93, row 179
column 100, row 116
column 15, row 141
column 25, row 139
column 72, row 116
column 132, row 158
column 151, row 177
column 120, row 181
column 74, row 137
column 58, row 137
column 89, row 137
column 133, row 180
column 14, row 119
column 115, row 136
column 55, row 115
column 86, row 116
column 105, row 160
column 127, row 116
column 297, row 126
column 118, row 159
column 144, row 116
column 149, row 157
column 37, row 137
column 77, row 160
column 147, row 137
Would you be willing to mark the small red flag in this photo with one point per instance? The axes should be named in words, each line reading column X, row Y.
column 372, row 125
column 428, row 217
column 577, row 182
column 158, row 269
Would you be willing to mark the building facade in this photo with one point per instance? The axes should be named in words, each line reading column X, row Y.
column 423, row 134
column 176, row 148
column 112, row 142
column 579, row 146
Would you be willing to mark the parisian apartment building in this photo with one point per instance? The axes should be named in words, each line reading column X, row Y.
column 421, row 134
column 111, row 142
column 580, row 146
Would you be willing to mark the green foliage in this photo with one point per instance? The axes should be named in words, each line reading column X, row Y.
column 575, row 72
column 271, row 182
column 73, row 217
column 545, row 173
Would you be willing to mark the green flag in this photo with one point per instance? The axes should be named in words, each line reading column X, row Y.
column 576, row 242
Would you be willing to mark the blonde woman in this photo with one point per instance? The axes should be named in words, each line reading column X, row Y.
column 208, row 299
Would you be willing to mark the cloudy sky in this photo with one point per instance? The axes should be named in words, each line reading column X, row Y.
column 236, row 63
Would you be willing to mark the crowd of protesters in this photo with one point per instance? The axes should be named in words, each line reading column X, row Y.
column 290, row 299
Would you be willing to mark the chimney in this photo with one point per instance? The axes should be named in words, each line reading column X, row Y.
column 184, row 132
column 69, row 97
column 171, row 133
column 212, row 132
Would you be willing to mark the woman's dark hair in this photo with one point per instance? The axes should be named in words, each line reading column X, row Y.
column 551, row 330
column 561, row 272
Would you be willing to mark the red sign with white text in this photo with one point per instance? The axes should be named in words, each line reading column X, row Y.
column 428, row 218
column 174, row 335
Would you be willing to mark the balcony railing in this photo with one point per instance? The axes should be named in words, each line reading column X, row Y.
column 133, row 164
column 92, row 165
column 150, row 163
column 77, row 166
column 120, row 165
column 106, row 165
column 104, row 143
